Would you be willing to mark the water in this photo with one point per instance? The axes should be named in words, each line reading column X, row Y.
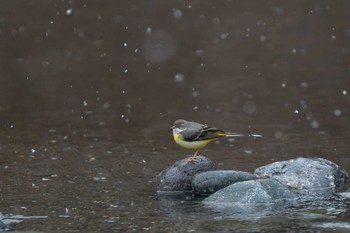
column 89, row 92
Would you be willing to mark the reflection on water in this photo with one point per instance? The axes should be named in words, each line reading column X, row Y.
column 89, row 91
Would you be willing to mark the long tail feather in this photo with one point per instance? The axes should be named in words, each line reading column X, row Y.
column 243, row 135
column 235, row 135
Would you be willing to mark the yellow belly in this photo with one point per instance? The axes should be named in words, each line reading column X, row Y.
column 194, row 145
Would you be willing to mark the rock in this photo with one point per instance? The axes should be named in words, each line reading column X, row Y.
column 4, row 227
column 209, row 182
column 254, row 197
column 345, row 195
column 311, row 177
column 178, row 177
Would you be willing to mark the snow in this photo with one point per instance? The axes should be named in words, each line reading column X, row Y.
column 337, row 112
column 69, row 11
column 314, row 124
column 177, row 14
column 179, row 77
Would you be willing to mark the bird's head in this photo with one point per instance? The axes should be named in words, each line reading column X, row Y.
column 179, row 126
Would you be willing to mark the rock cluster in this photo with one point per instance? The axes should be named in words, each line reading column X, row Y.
column 270, row 188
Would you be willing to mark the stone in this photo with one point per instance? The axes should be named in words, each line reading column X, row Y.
column 178, row 177
column 345, row 195
column 254, row 197
column 209, row 182
column 3, row 227
column 310, row 177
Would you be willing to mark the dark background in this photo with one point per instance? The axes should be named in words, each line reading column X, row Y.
column 89, row 90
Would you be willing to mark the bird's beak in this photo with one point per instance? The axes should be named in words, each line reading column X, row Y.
column 172, row 127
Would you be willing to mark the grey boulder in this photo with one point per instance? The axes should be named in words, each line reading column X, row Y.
column 253, row 197
column 310, row 177
column 178, row 177
column 209, row 182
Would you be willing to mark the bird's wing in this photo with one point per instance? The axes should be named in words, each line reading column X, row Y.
column 191, row 134
column 208, row 132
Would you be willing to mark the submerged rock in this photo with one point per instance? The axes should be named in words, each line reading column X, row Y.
column 178, row 176
column 209, row 182
column 311, row 177
column 345, row 195
column 3, row 227
column 252, row 197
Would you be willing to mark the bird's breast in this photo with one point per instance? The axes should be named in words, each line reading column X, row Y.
column 192, row 145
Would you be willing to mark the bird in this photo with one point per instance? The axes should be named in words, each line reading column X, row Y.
column 194, row 136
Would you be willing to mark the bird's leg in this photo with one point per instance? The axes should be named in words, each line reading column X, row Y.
column 192, row 158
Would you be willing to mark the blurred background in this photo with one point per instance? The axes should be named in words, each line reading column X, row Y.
column 89, row 90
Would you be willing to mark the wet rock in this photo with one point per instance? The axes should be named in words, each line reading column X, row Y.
column 311, row 177
column 178, row 176
column 209, row 182
column 4, row 227
column 345, row 195
column 253, row 197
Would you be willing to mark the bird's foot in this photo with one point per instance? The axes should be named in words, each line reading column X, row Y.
column 192, row 158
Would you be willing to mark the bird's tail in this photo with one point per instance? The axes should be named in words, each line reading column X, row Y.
column 243, row 135
column 234, row 135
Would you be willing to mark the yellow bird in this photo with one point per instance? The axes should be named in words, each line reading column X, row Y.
column 195, row 136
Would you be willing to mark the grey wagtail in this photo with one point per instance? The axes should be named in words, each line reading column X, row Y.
column 195, row 136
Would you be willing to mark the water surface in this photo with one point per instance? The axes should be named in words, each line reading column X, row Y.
column 89, row 91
